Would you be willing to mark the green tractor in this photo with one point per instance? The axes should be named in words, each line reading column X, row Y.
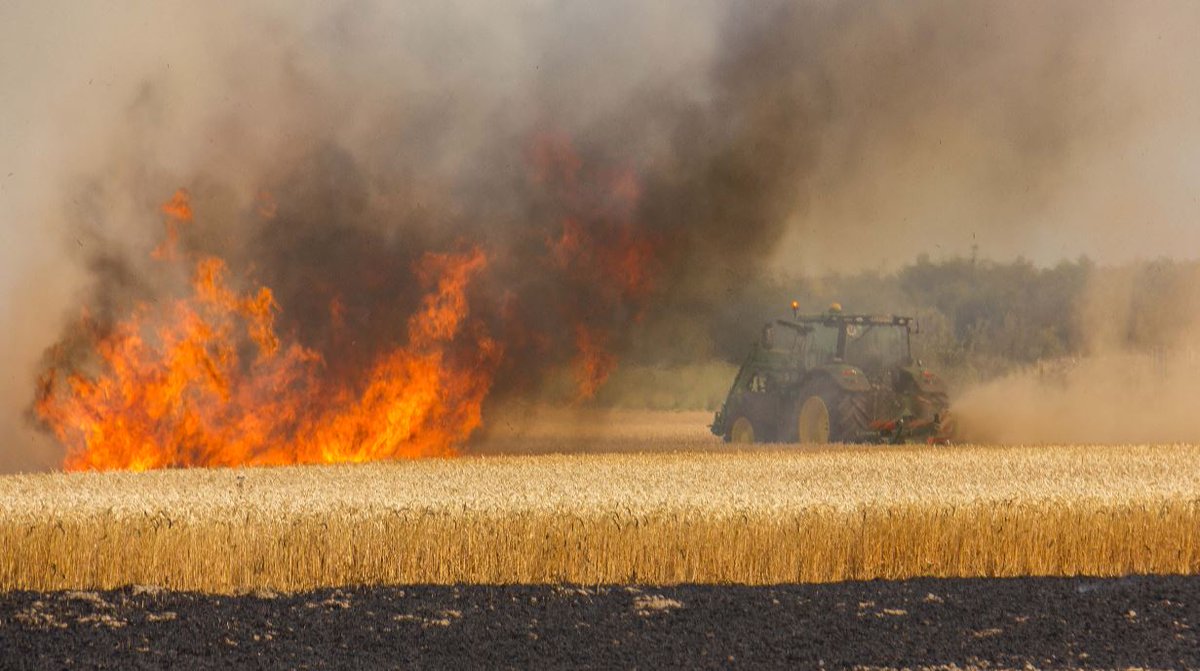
column 835, row 378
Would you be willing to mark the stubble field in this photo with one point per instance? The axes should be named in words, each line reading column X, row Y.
column 665, row 509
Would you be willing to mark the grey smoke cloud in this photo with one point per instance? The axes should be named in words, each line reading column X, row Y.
column 766, row 136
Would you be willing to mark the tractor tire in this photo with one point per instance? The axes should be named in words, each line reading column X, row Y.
column 741, row 431
column 826, row 413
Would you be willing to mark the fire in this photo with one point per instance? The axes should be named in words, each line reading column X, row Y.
column 179, row 212
column 420, row 400
column 206, row 376
column 594, row 362
column 206, row 380
column 619, row 266
column 174, row 389
column 599, row 248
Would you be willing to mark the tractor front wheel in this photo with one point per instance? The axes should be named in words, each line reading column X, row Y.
column 742, row 431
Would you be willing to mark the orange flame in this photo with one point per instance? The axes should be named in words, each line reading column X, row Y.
column 205, row 380
column 418, row 397
column 600, row 248
column 178, row 211
column 179, row 207
column 593, row 363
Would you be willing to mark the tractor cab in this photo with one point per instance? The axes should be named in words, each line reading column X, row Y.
column 873, row 344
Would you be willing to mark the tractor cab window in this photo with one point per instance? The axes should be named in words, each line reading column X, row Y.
column 788, row 341
column 822, row 345
column 876, row 347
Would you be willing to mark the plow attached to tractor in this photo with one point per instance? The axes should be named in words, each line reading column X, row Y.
column 835, row 378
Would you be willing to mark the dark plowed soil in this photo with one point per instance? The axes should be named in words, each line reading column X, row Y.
column 1045, row 623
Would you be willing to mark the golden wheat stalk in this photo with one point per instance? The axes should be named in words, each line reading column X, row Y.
column 753, row 518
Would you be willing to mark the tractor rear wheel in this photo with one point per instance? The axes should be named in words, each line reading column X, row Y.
column 827, row 413
column 741, row 431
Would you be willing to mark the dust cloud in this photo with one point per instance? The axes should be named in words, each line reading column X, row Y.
column 1104, row 399
column 731, row 140
column 1137, row 381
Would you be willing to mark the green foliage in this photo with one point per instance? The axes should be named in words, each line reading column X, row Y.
column 979, row 319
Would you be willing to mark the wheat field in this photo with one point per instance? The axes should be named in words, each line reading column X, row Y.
column 763, row 516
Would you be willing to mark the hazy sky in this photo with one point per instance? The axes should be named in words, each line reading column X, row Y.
column 1114, row 174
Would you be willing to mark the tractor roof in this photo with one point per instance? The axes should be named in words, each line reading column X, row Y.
column 837, row 318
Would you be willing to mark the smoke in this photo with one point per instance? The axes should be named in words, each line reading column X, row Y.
column 629, row 168
column 1049, row 132
column 1135, row 382
column 1116, row 398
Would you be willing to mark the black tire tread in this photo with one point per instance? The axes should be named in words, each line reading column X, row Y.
column 853, row 416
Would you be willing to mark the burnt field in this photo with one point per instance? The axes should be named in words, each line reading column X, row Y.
column 1052, row 623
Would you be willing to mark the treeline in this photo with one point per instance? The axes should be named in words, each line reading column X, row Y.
column 983, row 318
column 978, row 318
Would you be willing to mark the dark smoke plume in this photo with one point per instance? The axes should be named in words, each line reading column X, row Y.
column 630, row 171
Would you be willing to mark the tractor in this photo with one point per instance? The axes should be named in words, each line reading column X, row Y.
column 835, row 378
